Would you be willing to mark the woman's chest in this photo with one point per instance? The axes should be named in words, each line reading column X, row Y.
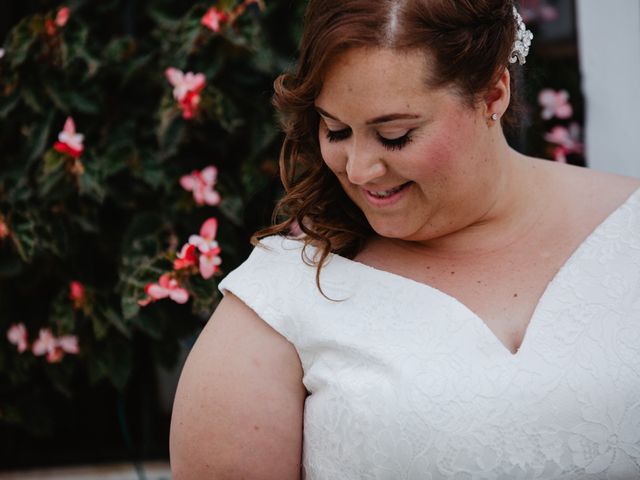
column 503, row 290
column 425, row 389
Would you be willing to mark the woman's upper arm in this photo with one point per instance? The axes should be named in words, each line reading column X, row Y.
column 239, row 405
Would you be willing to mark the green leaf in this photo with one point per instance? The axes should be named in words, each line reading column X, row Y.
column 90, row 183
column 58, row 97
column 170, row 133
column 62, row 315
column 61, row 375
column 82, row 103
column 233, row 209
column 31, row 99
column 133, row 280
column 100, row 326
column 112, row 360
column 150, row 326
column 21, row 39
column 8, row 104
column 117, row 321
column 39, row 137
column 52, row 176
column 162, row 19
column 24, row 237
column 135, row 67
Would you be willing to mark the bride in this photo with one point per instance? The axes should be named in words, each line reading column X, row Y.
column 450, row 308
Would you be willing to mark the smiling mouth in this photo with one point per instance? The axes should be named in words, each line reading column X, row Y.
column 387, row 193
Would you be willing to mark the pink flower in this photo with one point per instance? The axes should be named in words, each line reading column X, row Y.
column 201, row 184
column 69, row 343
column 77, row 294
column 534, row 10
column 210, row 263
column 567, row 141
column 17, row 335
column 53, row 347
column 69, row 142
column 62, row 16
column 206, row 240
column 187, row 257
column 213, row 19
column 167, row 287
column 210, row 260
column 4, row 229
column 186, row 89
column 555, row 104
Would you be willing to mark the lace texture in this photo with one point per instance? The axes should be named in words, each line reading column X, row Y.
column 406, row 382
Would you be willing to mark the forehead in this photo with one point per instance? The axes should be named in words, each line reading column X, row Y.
column 378, row 78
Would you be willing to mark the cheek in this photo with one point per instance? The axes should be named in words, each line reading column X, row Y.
column 332, row 156
column 433, row 158
column 447, row 149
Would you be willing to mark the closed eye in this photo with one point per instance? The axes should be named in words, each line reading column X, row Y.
column 396, row 143
column 388, row 143
column 337, row 135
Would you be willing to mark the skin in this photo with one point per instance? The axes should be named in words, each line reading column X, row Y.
column 464, row 175
column 479, row 221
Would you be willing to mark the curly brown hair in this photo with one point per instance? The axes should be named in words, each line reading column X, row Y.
column 471, row 42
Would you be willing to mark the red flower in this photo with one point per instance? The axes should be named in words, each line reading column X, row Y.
column 214, row 19
column 189, row 105
column 77, row 294
column 69, row 142
column 50, row 27
column 186, row 89
column 188, row 257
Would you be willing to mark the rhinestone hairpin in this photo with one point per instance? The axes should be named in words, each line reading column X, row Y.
column 522, row 41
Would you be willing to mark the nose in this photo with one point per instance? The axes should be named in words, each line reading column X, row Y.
column 364, row 163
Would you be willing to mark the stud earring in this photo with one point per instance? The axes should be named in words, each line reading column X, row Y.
column 495, row 117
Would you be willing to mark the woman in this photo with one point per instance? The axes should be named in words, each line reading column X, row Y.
column 452, row 308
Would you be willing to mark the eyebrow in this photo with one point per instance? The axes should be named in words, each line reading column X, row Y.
column 382, row 119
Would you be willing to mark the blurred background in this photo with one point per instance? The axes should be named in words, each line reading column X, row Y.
column 139, row 154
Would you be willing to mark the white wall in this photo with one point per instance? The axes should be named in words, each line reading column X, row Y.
column 609, row 44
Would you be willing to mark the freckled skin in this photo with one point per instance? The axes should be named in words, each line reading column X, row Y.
column 451, row 159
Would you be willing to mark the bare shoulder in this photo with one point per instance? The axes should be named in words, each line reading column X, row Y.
column 239, row 405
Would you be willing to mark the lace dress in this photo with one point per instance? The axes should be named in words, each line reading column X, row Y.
column 406, row 382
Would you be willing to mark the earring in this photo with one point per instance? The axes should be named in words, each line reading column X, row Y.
column 495, row 117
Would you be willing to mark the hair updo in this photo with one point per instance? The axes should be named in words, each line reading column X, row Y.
column 471, row 42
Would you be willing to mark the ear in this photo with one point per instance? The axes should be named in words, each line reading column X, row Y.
column 497, row 98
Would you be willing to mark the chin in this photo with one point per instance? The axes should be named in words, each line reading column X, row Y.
column 389, row 229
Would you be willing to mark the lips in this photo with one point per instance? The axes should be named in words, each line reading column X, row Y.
column 386, row 198
column 387, row 193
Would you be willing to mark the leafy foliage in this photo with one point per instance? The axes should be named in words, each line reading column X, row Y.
column 114, row 221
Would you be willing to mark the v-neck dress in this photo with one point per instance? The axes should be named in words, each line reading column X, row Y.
column 405, row 382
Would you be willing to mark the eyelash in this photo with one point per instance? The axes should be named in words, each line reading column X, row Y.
column 395, row 144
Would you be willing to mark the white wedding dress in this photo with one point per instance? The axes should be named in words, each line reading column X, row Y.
column 406, row 382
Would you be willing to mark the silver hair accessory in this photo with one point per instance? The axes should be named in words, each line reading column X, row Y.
column 522, row 41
